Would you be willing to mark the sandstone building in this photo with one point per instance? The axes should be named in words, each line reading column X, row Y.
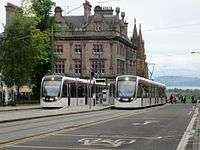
column 98, row 42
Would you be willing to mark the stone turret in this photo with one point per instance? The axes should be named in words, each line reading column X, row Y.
column 135, row 35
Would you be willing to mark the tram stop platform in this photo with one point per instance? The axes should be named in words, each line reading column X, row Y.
column 19, row 113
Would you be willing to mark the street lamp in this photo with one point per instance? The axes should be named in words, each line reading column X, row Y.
column 195, row 52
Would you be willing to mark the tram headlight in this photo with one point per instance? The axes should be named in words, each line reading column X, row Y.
column 56, row 98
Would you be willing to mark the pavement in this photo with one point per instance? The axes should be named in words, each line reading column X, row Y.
column 19, row 113
column 20, row 107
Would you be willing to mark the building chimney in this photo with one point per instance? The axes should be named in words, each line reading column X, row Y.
column 58, row 14
column 87, row 9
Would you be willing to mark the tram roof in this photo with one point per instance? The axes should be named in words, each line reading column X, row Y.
column 74, row 79
column 143, row 79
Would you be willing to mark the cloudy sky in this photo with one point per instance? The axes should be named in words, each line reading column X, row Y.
column 171, row 30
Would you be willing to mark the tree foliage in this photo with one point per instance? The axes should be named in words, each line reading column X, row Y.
column 42, row 9
column 25, row 51
column 23, row 48
column 18, row 54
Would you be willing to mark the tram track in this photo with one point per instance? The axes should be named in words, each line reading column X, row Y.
column 94, row 119
column 49, row 122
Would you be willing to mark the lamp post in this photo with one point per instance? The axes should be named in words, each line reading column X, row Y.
column 195, row 52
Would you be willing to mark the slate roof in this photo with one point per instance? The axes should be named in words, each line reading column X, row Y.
column 79, row 21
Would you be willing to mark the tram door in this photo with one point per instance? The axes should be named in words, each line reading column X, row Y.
column 65, row 92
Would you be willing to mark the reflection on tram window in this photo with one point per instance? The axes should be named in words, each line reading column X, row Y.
column 126, row 88
column 51, row 88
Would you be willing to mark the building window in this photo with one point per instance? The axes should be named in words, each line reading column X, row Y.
column 77, row 67
column 120, row 66
column 59, row 48
column 97, row 48
column 98, row 66
column 59, row 67
column 78, row 49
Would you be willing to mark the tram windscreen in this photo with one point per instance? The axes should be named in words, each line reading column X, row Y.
column 51, row 88
column 126, row 88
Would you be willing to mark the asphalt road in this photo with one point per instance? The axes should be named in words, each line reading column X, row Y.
column 158, row 128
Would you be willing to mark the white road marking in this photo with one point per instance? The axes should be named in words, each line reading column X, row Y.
column 136, row 124
column 145, row 122
column 189, row 113
column 105, row 142
column 132, row 141
column 188, row 133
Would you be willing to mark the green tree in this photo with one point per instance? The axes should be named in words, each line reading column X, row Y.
column 17, row 54
column 42, row 9
column 23, row 48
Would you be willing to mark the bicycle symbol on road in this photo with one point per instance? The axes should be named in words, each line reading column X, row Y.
column 105, row 142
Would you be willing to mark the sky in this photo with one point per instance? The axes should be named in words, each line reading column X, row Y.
column 171, row 30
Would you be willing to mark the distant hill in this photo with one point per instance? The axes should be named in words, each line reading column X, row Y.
column 178, row 80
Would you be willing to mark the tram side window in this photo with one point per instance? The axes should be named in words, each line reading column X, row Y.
column 152, row 91
column 139, row 92
column 162, row 92
column 81, row 90
column 73, row 89
column 64, row 90
column 156, row 92
column 145, row 92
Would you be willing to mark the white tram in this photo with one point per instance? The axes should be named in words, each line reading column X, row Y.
column 138, row 92
column 61, row 91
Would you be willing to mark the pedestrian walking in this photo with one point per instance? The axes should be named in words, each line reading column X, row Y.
column 193, row 100
column 174, row 99
column 181, row 98
column 171, row 98
column 184, row 99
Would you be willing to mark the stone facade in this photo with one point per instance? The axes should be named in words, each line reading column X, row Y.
column 98, row 42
